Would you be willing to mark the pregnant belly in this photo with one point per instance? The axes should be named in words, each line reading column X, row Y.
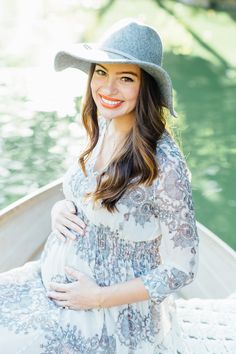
column 79, row 325
column 56, row 256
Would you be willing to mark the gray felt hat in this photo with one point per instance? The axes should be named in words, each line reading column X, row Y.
column 128, row 42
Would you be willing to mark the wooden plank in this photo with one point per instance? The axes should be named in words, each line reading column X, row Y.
column 217, row 266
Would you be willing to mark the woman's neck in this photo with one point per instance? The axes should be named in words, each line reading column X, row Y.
column 118, row 128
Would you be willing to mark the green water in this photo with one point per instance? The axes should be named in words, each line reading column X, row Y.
column 40, row 135
column 208, row 138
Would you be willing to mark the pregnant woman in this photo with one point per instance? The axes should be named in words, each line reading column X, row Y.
column 108, row 272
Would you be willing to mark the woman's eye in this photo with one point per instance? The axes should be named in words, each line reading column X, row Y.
column 126, row 79
column 100, row 72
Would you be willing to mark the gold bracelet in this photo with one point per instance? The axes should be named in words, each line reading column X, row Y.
column 99, row 299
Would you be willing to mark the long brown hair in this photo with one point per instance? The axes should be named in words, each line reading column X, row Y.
column 135, row 163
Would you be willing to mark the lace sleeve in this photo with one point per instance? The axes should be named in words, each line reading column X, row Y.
column 175, row 214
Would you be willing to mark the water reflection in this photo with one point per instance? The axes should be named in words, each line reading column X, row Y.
column 36, row 145
column 206, row 97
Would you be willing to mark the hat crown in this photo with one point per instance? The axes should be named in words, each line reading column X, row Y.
column 135, row 40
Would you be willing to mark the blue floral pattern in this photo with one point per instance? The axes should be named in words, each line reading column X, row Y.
column 152, row 236
column 15, row 297
column 70, row 340
column 133, row 328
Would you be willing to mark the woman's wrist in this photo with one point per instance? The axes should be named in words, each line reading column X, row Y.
column 103, row 295
column 122, row 293
column 100, row 296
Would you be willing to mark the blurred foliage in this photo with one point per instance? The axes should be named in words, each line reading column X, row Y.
column 225, row 5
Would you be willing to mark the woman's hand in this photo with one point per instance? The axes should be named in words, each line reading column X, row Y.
column 84, row 293
column 65, row 221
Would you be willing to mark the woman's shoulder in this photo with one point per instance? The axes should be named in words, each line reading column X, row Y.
column 168, row 149
column 169, row 155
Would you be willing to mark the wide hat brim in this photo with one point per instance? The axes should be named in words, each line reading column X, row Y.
column 82, row 55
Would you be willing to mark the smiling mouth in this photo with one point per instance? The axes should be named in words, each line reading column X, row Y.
column 110, row 103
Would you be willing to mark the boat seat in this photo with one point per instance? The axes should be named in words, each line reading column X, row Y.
column 208, row 325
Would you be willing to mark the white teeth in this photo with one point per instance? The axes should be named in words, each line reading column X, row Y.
column 110, row 102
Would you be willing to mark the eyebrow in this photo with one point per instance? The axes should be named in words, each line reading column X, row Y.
column 121, row 72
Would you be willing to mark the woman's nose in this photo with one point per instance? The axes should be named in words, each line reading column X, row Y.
column 110, row 86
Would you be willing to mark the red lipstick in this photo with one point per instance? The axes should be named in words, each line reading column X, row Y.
column 109, row 102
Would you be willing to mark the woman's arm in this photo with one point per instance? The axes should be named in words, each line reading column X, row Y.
column 123, row 293
column 176, row 218
column 84, row 293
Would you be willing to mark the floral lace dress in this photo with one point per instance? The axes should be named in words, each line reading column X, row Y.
column 152, row 235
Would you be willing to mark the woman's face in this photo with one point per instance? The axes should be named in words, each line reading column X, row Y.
column 115, row 89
